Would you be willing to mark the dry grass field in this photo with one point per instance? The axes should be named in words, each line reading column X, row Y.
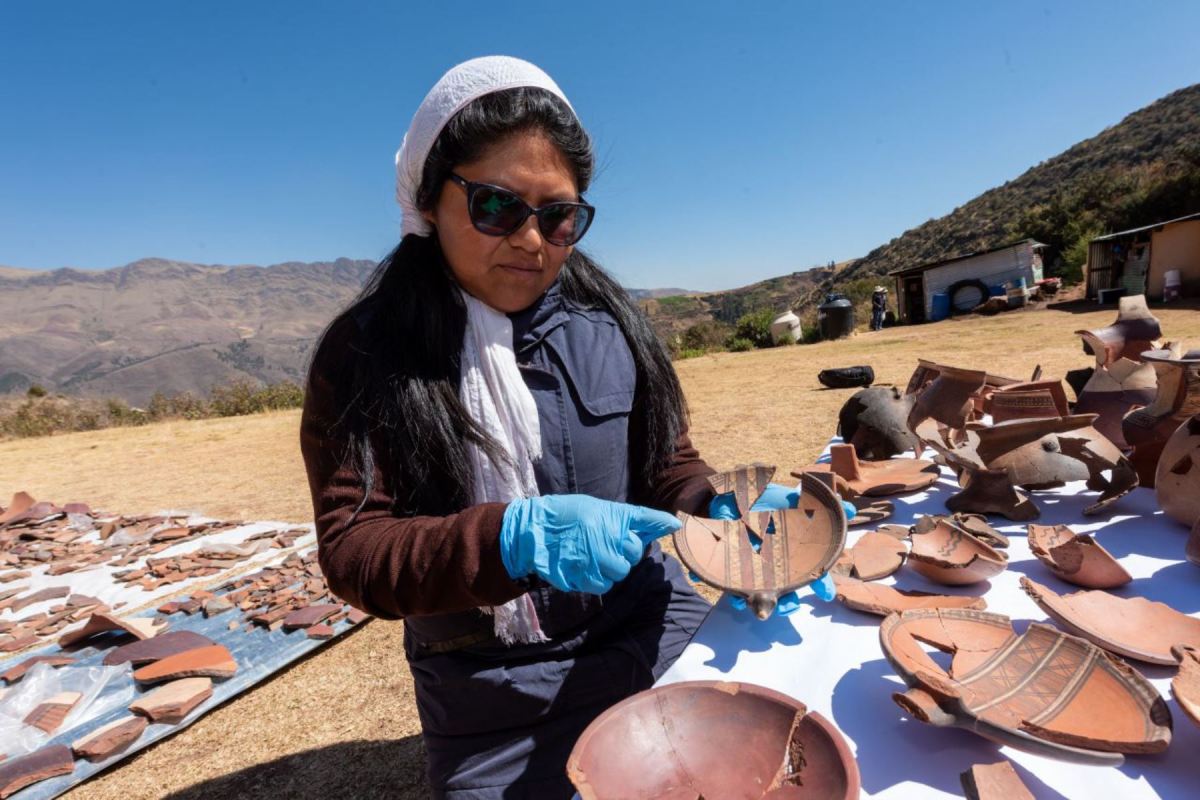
column 343, row 722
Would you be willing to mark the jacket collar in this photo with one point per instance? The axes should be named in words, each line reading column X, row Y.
column 536, row 322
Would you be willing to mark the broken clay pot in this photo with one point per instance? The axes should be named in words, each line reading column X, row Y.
column 1186, row 683
column 997, row 781
column 214, row 661
column 1134, row 627
column 110, row 739
column 1038, row 691
column 876, row 478
column 101, row 622
column 974, row 524
column 1029, row 400
column 1113, row 391
column 1178, row 398
column 875, row 422
column 948, row 554
column 1133, row 332
column 1076, row 558
column 171, row 702
column 796, row 547
column 712, row 739
column 875, row 555
column 868, row 510
column 991, row 491
column 879, row 599
column 950, row 398
column 17, row 773
column 50, row 713
column 156, row 648
column 1177, row 478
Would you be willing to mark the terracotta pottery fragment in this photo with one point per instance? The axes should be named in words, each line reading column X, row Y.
column 868, row 510
column 214, row 661
column 156, row 648
column 974, row 524
column 708, row 739
column 309, row 615
column 997, row 781
column 1113, row 391
column 320, row 632
column 20, row 503
column 746, row 483
column 1134, row 331
column 991, row 491
column 876, row 478
column 110, row 739
column 173, row 701
column 102, row 622
column 1028, row 400
column 49, row 714
column 948, row 554
column 1076, row 558
column 1038, row 691
column 1186, row 683
column 48, row 762
column 1178, row 398
column 15, row 673
column 877, row 598
column 1133, row 627
column 875, row 422
column 949, row 398
column 357, row 616
column 1177, row 477
column 797, row 546
column 1192, row 550
column 876, row 555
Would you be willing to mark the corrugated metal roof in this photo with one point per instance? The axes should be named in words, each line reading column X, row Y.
column 1119, row 234
column 952, row 259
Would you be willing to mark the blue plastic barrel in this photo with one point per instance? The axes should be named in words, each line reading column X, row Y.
column 941, row 306
column 1018, row 283
column 997, row 291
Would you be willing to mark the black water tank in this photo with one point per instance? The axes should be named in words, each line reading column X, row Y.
column 835, row 317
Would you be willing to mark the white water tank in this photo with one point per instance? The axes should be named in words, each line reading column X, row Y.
column 1172, row 284
column 786, row 324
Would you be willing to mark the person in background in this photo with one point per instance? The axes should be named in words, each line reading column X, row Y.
column 879, row 303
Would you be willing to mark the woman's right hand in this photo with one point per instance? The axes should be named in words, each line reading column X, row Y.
column 578, row 543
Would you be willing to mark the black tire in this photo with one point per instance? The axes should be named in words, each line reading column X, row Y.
column 962, row 295
column 846, row 377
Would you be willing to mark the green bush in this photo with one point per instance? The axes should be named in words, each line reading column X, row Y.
column 691, row 352
column 36, row 390
column 706, row 335
column 756, row 328
column 739, row 345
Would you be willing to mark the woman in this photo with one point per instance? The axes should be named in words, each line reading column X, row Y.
column 476, row 426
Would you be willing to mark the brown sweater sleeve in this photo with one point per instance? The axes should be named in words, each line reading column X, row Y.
column 386, row 565
column 683, row 485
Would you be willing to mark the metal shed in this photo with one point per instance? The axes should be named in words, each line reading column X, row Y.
column 916, row 286
column 1138, row 259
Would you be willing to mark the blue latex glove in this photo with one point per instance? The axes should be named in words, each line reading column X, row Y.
column 774, row 497
column 577, row 543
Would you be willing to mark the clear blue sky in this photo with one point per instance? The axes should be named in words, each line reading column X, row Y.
column 736, row 141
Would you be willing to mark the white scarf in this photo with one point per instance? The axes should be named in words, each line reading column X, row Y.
column 497, row 398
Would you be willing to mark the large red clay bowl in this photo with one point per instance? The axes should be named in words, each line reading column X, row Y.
column 712, row 739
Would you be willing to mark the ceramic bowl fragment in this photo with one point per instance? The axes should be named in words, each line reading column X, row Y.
column 948, row 554
column 881, row 599
column 1076, row 558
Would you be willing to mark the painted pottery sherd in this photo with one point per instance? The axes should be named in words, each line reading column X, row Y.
column 974, row 524
column 1076, row 558
column 997, row 781
column 948, row 554
column 1113, row 391
column 797, row 547
column 1178, row 398
column 1177, row 477
column 949, row 398
column 876, row 555
column 1133, row 627
column 712, row 739
column 1186, row 683
column 880, row 599
column 1042, row 691
column 49, row 714
column 876, row 478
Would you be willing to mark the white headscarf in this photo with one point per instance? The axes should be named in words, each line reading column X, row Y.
column 491, row 388
column 468, row 81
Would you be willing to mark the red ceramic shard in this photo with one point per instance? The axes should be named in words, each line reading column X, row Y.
column 356, row 616
column 997, row 781
column 876, row 478
column 40, row 596
column 1186, row 683
column 713, row 740
column 320, row 632
column 214, row 661
column 15, row 673
column 974, row 524
column 949, row 397
column 48, row 762
column 1076, row 558
column 1113, row 391
column 991, row 491
column 48, row 715
column 1178, row 398
column 110, row 739
column 172, row 702
column 1029, row 404
column 102, row 622
column 21, row 502
column 868, row 510
column 875, row 422
column 156, row 648
column 876, row 598
column 309, row 615
column 948, row 554
column 797, row 547
column 1177, row 477
column 1133, row 627
column 1134, row 331
column 1042, row 691
column 876, row 555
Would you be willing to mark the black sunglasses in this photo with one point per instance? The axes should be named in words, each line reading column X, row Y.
column 499, row 212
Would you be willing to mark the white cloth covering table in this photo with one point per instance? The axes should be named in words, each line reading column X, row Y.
column 828, row 656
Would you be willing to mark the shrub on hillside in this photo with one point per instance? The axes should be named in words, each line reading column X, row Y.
column 755, row 328
column 705, row 336
column 739, row 345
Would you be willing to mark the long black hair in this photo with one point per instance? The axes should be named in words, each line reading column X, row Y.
column 396, row 377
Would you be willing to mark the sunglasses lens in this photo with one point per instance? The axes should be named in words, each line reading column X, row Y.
column 497, row 212
column 564, row 224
